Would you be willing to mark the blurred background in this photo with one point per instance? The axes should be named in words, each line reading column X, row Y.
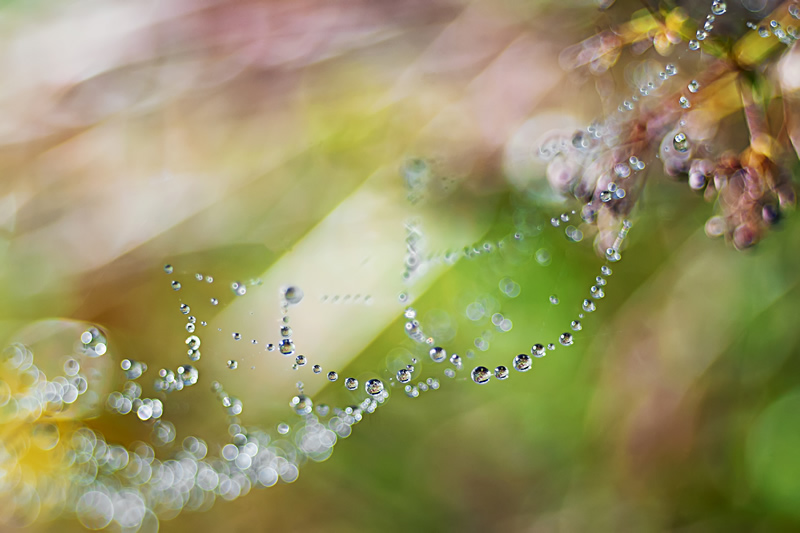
column 309, row 143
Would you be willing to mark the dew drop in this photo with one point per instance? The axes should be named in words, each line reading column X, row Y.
column 680, row 142
column 316, row 369
column 718, row 7
column 588, row 306
column 522, row 362
column 554, row 299
column 293, row 295
column 501, row 372
column 301, row 404
column 374, row 387
column 693, row 86
column 538, row 350
column 481, row 375
column 176, row 285
column 232, row 364
column 168, row 269
column 694, row 45
column 351, row 383
column 684, row 102
column 576, row 325
column 286, row 347
column 188, row 374
column 438, row 354
column 565, row 339
column 300, row 360
column 332, row 376
column 404, row 375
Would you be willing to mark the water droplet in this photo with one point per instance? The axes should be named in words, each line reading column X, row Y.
column 670, row 69
column 293, row 295
column 286, row 347
column 300, row 360
column 794, row 11
column 693, row 86
column 522, row 362
column 283, row 428
column 554, row 299
column 403, row 375
column 238, row 288
column 596, row 292
column 718, row 7
column 302, row 404
column 606, row 196
column 190, row 327
column 168, row 269
column 374, row 387
column 188, row 374
column 438, row 354
column 176, row 285
column 537, row 350
column 450, row 373
column 565, row 339
column 501, row 372
column 232, row 364
column 455, row 360
column 694, row 45
column 481, row 375
column 684, row 102
column 551, row 346
column 286, row 331
column 680, row 142
column 332, row 376
column 214, row 301
column 351, row 383
column 588, row 306
column 576, row 325
column 316, row 369
column 237, row 336
column 555, row 222
column 701, row 35
column 606, row 271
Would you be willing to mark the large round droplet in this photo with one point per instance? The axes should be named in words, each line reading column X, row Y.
column 286, row 347
column 293, row 295
column 438, row 354
column 351, row 383
column 565, row 339
column 537, row 350
column 501, row 372
column 188, row 374
column 680, row 142
column 522, row 362
column 404, row 375
column 332, row 376
column 481, row 375
column 302, row 404
column 374, row 387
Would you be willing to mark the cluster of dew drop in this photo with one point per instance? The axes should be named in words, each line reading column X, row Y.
column 786, row 35
column 131, row 487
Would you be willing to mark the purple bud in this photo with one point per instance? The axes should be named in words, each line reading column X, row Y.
column 697, row 180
